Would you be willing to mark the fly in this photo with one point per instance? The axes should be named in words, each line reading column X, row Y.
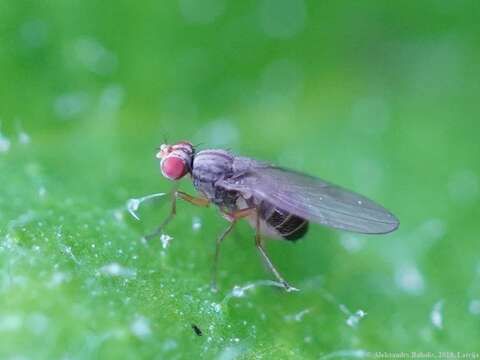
column 197, row 330
column 278, row 203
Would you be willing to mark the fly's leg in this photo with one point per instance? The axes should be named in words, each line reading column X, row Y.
column 159, row 229
column 266, row 259
column 233, row 217
column 173, row 212
column 217, row 253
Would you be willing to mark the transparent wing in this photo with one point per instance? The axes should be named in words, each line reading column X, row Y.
column 311, row 198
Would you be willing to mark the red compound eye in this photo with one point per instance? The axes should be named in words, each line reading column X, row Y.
column 174, row 168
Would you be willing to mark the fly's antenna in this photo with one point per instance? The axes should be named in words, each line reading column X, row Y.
column 163, row 134
column 198, row 145
column 192, row 158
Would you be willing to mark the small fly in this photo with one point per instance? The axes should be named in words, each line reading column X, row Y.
column 278, row 203
column 197, row 330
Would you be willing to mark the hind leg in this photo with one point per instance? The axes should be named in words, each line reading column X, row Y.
column 233, row 217
column 266, row 258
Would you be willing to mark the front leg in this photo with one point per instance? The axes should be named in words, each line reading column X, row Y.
column 197, row 201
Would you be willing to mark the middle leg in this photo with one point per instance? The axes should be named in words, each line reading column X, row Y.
column 233, row 217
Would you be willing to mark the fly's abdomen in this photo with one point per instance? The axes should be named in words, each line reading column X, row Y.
column 289, row 226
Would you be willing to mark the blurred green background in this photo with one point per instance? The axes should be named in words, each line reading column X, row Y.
column 381, row 97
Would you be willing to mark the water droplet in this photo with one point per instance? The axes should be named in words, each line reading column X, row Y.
column 196, row 223
column 71, row 105
column 111, row 98
column 297, row 317
column 463, row 187
column 94, row 56
column 10, row 322
column 409, row 278
column 140, row 327
column 216, row 307
column 115, row 269
column 23, row 138
column 165, row 239
column 436, row 316
column 37, row 323
column 354, row 319
column 351, row 243
column 57, row 279
column 4, row 144
column 474, row 307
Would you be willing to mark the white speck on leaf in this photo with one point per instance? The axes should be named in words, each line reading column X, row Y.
column 297, row 317
column 116, row 270
column 354, row 319
column 169, row 345
column 67, row 250
column 165, row 239
column 216, row 307
column 24, row 138
column 436, row 316
column 196, row 223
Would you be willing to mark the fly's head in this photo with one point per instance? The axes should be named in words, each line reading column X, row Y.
column 176, row 160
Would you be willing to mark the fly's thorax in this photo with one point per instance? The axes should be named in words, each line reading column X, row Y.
column 210, row 166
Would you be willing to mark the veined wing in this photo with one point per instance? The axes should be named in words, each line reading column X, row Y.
column 311, row 198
